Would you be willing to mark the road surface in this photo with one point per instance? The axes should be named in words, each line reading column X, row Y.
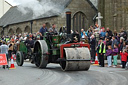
column 53, row 75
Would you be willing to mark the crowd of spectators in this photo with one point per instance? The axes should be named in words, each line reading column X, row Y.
column 104, row 42
column 10, row 44
column 107, row 44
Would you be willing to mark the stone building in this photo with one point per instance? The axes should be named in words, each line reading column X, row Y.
column 115, row 13
column 83, row 12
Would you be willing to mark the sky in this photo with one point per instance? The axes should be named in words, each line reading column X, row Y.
column 12, row 2
column 38, row 8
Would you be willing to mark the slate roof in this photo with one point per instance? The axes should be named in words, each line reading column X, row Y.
column 14, row 16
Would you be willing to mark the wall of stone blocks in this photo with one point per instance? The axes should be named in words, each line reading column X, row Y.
column 60, row 21
column 83, row 6
column 115, row 13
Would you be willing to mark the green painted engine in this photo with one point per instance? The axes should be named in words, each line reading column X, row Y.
column 48, row 48
column 63, row 49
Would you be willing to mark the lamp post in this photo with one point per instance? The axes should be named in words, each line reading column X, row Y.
column 31, row 25
column 3, row 30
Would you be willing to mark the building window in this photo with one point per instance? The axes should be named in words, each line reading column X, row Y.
column 79, row 21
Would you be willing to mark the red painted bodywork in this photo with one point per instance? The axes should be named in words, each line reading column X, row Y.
column 69, row 45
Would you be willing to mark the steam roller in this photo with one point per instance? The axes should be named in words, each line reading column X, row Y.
column 71, row 56
column 64, row 49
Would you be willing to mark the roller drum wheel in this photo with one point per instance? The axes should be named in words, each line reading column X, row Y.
column 40, row 49
column 19, row 58
column 76, row 59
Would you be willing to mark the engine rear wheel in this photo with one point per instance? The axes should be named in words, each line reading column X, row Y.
column 19, row 58
column 40, row 49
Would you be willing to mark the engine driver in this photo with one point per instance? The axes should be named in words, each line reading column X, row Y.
column 53, row 29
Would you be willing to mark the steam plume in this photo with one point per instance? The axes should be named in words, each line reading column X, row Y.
column 38, row 7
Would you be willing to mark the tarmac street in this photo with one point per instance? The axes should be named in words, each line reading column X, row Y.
column 29, row 74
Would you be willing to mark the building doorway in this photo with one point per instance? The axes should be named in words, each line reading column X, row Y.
column 18, row 31
column 27, row 29
column 11, row 31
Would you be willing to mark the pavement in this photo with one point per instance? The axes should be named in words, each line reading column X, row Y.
column 29, row 74
column 105, row 61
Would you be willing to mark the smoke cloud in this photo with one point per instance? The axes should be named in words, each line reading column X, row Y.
column 38, row 8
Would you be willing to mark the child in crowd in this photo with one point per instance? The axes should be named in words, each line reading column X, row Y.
column 124, row 55
column 109, row 55
column 115, row 55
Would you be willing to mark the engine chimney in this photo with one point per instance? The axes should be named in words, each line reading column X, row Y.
column 68, row 22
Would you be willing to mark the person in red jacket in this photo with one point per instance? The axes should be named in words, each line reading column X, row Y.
column 124, row 55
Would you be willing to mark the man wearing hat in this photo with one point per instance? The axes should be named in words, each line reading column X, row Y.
column 101, row 52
